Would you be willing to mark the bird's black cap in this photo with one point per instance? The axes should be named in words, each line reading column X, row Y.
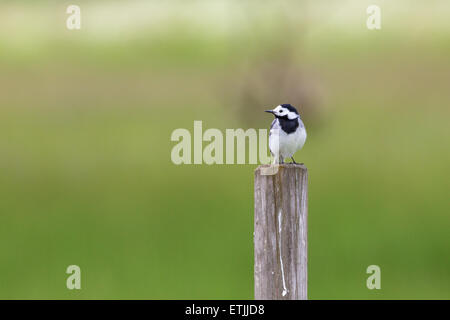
column 289, row 107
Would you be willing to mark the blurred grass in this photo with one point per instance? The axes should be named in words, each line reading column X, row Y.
column 86, row 176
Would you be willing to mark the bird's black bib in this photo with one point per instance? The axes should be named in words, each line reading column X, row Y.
column 288, row 126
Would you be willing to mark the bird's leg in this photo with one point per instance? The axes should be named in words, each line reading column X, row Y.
column 293, row 161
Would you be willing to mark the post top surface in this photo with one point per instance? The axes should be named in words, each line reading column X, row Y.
column 284, row 166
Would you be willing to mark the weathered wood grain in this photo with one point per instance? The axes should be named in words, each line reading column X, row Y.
column 280, row 237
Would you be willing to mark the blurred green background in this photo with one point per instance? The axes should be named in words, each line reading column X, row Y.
column 86, row 117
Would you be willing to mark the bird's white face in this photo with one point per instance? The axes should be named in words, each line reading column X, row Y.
column 280, row 111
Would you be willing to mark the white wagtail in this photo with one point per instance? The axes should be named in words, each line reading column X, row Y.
column 287, row 133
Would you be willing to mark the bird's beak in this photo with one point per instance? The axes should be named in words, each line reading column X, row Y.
column 269, row 111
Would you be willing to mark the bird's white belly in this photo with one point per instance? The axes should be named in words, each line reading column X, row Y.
column 287, row 144
column 291, row 143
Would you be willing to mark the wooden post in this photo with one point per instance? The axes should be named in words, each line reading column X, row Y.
column 280, row 236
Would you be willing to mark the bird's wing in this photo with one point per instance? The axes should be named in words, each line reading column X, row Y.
column 300, row 122
column 273, row 125
column 273, row 143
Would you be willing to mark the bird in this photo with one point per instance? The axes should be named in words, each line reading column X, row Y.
column 287, row 133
